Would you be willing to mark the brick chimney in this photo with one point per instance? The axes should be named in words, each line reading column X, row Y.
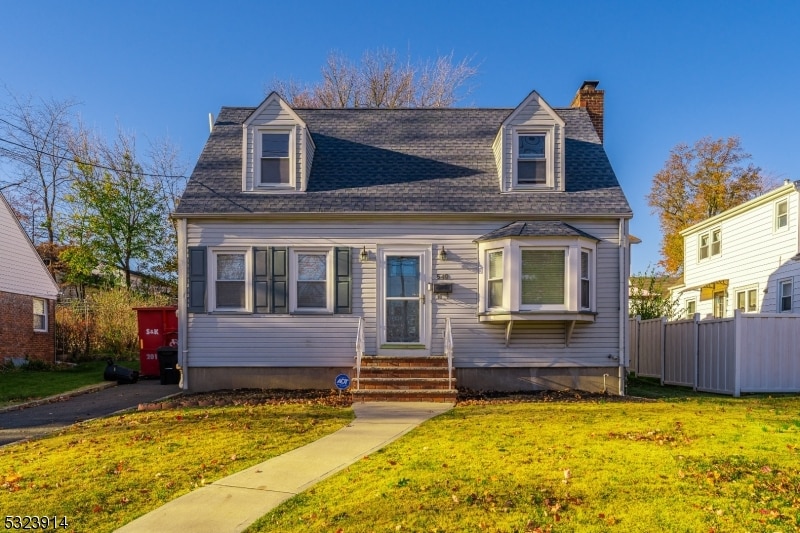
column 589, row 97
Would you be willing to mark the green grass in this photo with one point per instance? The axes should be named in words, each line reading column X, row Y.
column 19, row 384
column 105, row 473
column 691, row 463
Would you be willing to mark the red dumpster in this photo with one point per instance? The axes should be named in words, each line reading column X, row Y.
column 158, row 326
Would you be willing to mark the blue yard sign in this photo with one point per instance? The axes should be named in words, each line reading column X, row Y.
column 342, row 381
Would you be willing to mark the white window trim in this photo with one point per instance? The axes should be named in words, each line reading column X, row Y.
column 248, row 279
column 45, row 306
column 257, row 185
column 710, row 246
column 512, row 281
column 549, row 154
column 778, row 302
column 775, row 226
column 686, row 303
column 746, row 291
column 503, row 277
column 293, row 279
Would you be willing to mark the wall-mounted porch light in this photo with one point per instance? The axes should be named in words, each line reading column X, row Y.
column 364, row 255
column 443, row 254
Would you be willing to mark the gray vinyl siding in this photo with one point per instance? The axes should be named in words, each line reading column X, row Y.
column 219, row 340
column 752, row 255
column 21, row 269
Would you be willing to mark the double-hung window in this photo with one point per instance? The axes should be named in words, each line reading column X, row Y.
column 39, row 314
column 785, row 296
column 230, row 287
column 709, row 244
column 586, row 280
column 494, row 279
column 691, row 308
column 311, row 271
column 274, row 151
column 781, row 215
column 531, row 159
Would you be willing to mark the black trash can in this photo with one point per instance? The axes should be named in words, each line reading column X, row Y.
column 168, row 365
column 120, row 374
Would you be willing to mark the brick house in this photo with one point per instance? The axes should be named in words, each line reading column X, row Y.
column 27, row 295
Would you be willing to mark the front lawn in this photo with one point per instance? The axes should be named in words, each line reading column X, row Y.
column 22, row 384
column 690, row 464
column 103, row 474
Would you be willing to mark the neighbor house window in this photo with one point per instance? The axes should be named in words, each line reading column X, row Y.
column 715, row 242
column 311, row 271
column 494, row 279
column 691, row 308
column 275, row 166
column 709, row 244
column 230, row 286
column 39, row 314
column 746, row 300
column 782, row 214
column 785, row 296
column 542, row 277
column 719, row 304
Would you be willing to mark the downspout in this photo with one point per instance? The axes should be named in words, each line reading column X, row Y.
column 624, row 267
column 183, row 319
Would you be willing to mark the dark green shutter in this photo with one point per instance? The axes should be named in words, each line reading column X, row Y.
column 261, row 280
column 343, row 291
column 196, row 265
column 279, row 278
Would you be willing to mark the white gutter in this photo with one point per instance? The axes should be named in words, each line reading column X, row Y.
column 624, row 274
column 183, row 319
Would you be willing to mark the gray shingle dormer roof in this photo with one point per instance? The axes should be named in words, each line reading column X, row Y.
column 403, row 161
column 536, row 228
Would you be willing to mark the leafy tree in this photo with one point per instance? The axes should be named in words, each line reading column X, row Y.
column 649, row 297
column 36, row 136
column 381, row 80
column 699, row 182
column 119, row 217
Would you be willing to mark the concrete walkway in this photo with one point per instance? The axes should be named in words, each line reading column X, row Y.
column 233, row 503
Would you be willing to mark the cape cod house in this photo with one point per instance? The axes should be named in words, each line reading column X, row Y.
column 745, row 258
column 27, row 295
column 303, row 231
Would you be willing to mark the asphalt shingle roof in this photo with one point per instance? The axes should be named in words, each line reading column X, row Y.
column 404, row 161
column 536, row 228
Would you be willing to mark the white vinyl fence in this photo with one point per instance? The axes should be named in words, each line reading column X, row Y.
column 746, row 353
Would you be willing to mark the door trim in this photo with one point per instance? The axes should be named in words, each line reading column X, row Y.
column 423, row 347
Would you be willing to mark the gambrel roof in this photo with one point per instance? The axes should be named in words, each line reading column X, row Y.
column 404, row 161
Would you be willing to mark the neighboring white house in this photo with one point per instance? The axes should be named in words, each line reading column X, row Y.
column 509, row 224
column 746, row 258
column 27, row 295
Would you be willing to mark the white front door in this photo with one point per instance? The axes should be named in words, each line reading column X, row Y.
column 404, row 315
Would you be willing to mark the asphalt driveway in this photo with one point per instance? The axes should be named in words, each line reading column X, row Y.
column 27, row 422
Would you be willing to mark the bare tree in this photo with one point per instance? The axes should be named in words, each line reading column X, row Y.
column 381, row 80
column 35, row 142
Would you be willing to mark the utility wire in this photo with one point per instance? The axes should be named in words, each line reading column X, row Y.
column 74, row 158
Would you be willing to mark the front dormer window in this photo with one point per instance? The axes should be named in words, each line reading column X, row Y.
column 533, row 159
column 275, row 158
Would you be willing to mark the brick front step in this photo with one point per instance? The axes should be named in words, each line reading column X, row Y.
column 437, row 361
column 387, row 395
column 394, row 383
column 403, row 372
column 404, row 379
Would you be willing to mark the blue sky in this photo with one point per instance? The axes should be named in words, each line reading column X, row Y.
column 672, row 71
